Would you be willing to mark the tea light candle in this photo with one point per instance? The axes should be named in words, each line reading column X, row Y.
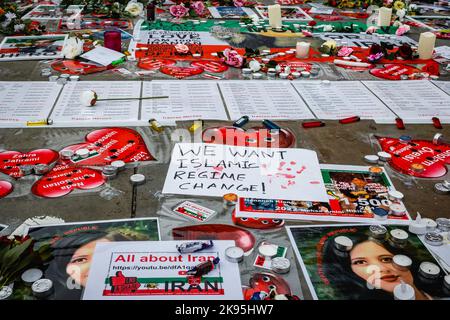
column 434, row 239
column 402, row 262
column 430, row 224
column 404, row 291
column 275, row 16
column 447, row 281
column 384, row 17
column 426, row 45
column 395, row 195
column 417, row 226
column 343, row 243
column 429, row 270
column 302, row 50
column 378, row 231
column 399, row 235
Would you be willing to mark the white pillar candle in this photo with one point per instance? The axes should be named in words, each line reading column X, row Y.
column 426, row 45
column 275, row 16
column 384, row 17
column 302, row 50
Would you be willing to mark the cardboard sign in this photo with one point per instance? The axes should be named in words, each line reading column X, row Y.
column 156, row 270
column 32, row 47
column 214, row 170
column 352, row 196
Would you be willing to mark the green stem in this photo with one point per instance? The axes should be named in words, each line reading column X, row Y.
column 145, row 98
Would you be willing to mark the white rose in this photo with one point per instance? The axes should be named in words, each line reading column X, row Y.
column 327, row 28
column 400, row 13
column 134, row 8
column 72, row 48
column 396, row 24
column 19, row 27
column 255, row 19
column 88, row 98
column 254, row 65
column 10, row 15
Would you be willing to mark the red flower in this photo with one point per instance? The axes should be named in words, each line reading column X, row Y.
column 432, row 68
column 312, row 23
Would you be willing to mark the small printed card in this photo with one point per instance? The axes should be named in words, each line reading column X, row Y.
column 265, row 263
column 194, row 211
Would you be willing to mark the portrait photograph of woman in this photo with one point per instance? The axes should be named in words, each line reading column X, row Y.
column 73, row 245
column 355, row 262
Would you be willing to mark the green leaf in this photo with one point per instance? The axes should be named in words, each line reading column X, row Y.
column 14, row 254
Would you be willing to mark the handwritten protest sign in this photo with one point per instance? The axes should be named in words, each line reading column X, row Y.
column 269, row 173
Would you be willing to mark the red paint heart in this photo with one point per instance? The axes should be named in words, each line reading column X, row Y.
column 63, row 179
column 154, row 64
column 392, row 71
column 10, row 161
column 254, row 137
column 419, row 158
column 180, row 72
column 265, row 282
column 6, row 188
column 255, row 223
column 210, row 66
column 76, row 67
column 111, row 144
column 244, row 239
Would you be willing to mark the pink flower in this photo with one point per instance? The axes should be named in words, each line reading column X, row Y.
column 345, row 52
column 307, row 33
column 371, row 30
column 199, row 7
column 238, row 3
column 402, row 30
column 178, row 11
column 233, row 58
column 388, row 2
column 182, row 48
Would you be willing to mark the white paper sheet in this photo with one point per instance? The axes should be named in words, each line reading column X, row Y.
column 26, row 101
column 188, row 100
column 102, row 55
column 268, row 173
column 342, row 99
column 70, row 111
column 444, row 85
column 263, row 100
column 154, row 262
column 414, row 101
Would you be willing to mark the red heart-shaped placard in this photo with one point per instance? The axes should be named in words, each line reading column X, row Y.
column 180, row 72
column 10, row 161
column 254, row 137
column 210, row 66
column 75, row 67
column 6, row 188
column 63, row 179
column 154, row 64
column 419, row 158
column 111, row 144
column 392, row 71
